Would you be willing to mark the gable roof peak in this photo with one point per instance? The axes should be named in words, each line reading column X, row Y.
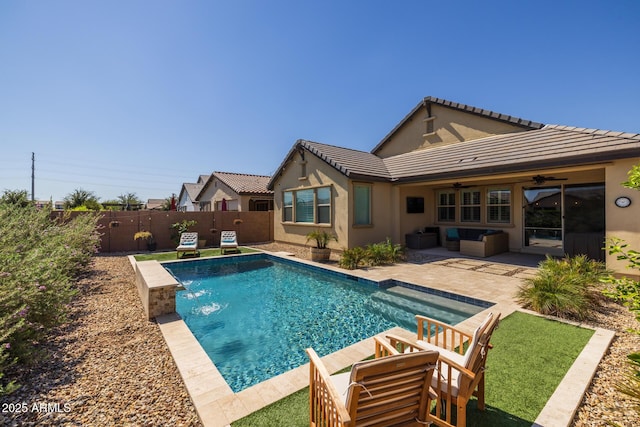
column 429, row 100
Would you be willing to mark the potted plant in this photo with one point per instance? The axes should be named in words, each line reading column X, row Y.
column 320, row 252
column 148, row 236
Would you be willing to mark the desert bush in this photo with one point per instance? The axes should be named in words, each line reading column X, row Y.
column 352, row 258
column 39, row 258
column 374, row 254
column 563, row 287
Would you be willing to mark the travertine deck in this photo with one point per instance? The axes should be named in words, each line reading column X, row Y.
column 493, row 281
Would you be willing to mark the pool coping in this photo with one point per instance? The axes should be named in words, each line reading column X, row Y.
column 218, row 406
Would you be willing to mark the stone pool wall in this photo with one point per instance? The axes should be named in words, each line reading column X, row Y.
column 156, row 287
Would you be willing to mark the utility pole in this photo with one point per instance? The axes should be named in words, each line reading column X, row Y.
column 33, row 176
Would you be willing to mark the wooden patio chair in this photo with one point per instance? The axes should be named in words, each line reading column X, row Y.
column 461, row 364
column 188, row 244
column 390, row 391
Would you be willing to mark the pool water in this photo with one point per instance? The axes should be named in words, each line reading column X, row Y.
column 255, row 315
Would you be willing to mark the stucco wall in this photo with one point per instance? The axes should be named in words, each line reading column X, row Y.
column 319, row 174
column 623, row 223
column 450, row 126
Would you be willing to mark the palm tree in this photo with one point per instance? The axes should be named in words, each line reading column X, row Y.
column 80, row 197
column 129, row 200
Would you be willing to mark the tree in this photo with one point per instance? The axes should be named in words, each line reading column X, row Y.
column 15, row 197
column 634, row 178
column 79, row 198
column 129, row 200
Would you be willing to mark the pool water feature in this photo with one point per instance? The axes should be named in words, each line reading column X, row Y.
column 255, row 314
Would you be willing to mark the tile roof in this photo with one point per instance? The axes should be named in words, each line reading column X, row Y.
column 352, row 163
column 550, row 146
column 245, row 183
column 425, row 102
column 192, row 189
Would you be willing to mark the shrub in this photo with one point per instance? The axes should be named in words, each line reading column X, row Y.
column 181, row 227
column 39, row 258
column 374, row 254
column 563, row 287
column 352, row 258
column 383, row 253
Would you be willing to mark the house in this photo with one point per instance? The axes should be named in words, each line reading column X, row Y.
column 188, row 197
column 226, row 191
column 156, row 204
column 552, row 188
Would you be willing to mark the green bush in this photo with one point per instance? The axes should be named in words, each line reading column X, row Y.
column 563, row 287
column 352, row 258
column 39, row 258
column 374, row 254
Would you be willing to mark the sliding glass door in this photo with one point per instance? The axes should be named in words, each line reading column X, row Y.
column 543, row 219
column 566, row 219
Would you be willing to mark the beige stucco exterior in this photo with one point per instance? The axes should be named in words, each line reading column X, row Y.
column 449, row 126
column 622, row 223
column 319, row 174
column 389, row 216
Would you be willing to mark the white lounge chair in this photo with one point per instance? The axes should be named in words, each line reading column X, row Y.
column 228, row 241
column 188, row 244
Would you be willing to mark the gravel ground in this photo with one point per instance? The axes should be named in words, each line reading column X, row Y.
column 110, row 366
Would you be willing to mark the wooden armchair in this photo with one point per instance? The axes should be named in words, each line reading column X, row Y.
column 460, row 368
column 390, row 391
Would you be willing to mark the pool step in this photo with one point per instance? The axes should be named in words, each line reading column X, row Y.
column 437, row 300
column 443, row 309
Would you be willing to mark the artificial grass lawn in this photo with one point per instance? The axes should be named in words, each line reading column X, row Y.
column 529, row 358
column 171, row 255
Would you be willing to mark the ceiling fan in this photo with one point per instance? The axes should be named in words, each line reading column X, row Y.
column 458, row 186
column 541, row 179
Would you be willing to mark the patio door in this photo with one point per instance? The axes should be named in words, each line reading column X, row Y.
column 565, row 220
column 584, row 224
column 543, row 220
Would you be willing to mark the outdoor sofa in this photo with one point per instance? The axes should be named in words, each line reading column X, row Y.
column 477, row 242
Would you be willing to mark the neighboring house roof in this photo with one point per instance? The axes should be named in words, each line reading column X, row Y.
column 243, row 184
column 429, row 100
column 155, row 203
column 550, row 146
column 352, row 163
column 192, row 190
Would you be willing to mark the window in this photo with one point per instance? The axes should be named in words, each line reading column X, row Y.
column 304, row 206
column 287, row 206
column 447, row 206
column 499, row 205
column 429, row 128
column 310, row 206
column 361, row 204
column 470, row 206
column 323, row 202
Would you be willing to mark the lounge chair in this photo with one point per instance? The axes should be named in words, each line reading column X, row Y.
column 188, row 244
column 228, row 241
column 390, row 391
column 461, row 364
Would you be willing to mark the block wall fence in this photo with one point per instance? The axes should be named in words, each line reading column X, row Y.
column 118, row 227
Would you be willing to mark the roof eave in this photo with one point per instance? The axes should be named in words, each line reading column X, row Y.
column 577, row 160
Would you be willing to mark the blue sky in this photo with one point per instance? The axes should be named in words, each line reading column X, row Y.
column 140, row 96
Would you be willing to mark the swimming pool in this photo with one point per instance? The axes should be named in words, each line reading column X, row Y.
column 255, row 314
